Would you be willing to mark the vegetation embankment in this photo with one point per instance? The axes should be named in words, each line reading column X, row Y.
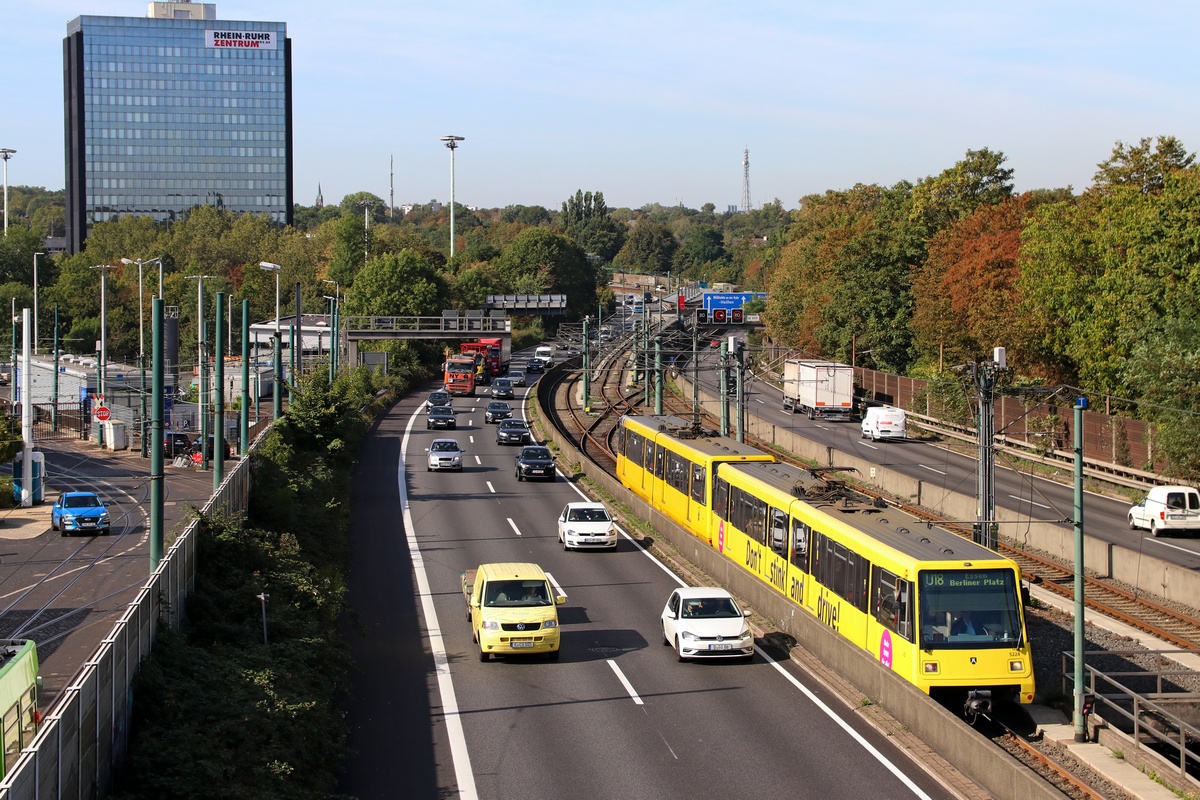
column 226, row 707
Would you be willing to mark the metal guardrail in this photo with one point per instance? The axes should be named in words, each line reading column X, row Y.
column 1146, row 714
column 355, row 326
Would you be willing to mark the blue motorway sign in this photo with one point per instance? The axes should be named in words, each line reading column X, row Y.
column 730, row 299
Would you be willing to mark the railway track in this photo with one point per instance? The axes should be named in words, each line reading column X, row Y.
column 594, row 429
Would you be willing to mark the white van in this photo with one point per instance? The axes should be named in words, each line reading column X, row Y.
column 545, row 354
column 1167, row 509
column 884, row 422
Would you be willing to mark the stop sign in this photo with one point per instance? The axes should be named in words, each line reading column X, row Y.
column 102, row 413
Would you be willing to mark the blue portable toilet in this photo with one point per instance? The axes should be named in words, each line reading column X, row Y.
column 39, row 476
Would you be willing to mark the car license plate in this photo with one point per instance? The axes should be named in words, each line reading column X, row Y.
column 720, row 647
column 536, row 471
column 87, row 523
column 522, row 644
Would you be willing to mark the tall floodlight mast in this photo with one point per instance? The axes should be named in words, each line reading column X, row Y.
column 452, row 143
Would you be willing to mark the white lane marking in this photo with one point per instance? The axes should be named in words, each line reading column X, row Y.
column 471, row 438
column 867, row 444
column 880, row 757
column 625, row 682
column 931, row 469
column 760, row 401
column 1168, row 544
column 555, row 584
column 512, row 524
column 463, row 774
column 477, row 461
column 1023, row 500
column 491, row 488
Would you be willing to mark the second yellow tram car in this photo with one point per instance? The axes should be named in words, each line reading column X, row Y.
column 884, row 580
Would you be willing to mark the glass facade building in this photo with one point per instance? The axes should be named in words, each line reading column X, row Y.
column 163, row 115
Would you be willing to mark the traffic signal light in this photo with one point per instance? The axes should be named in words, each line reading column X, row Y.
column 719, row 316
column 702, row 316
column 682, row 303
column 736, row 316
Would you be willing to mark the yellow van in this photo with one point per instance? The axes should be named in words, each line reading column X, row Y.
column 512, row 610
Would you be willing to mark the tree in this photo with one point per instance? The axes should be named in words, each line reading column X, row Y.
column 649, row 248
column 586, row 219
column 540, row 261
column 1142, row 167
column 703, row 248
column 400, row 284
column 977, row 180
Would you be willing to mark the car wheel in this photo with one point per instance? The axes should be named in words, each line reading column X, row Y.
column 459, row 469
column 552, row 655
column 1155, row 531
column 483, row 656
column 665, row 638
column 1132, row 526
column 519, row 478
column 428, row 468
column 678, row 652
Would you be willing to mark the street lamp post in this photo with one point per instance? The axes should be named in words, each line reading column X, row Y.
column 141, row 333
column 452, row 143
column 335, row 350
column 6, row 153
column 101, row 376
column 277, row 362
column 35, row 299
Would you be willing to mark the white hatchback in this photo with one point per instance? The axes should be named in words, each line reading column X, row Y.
column 706, row 622
column 445, row 454
column 586, row 525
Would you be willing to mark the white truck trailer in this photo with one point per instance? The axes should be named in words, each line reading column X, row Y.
column 820, row 389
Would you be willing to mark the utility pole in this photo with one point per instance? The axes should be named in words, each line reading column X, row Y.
column 983, row 376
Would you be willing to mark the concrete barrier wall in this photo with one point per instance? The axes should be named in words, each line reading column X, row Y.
column 943, row 731
column 1146, row 573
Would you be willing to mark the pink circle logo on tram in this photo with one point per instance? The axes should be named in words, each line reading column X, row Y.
column 721, row 537
column 885, row 649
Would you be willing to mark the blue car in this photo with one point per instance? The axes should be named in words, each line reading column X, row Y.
column 79, row 512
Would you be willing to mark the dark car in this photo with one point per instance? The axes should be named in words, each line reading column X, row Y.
column 512, row 431
column 535, row 365
column 497, row 410
column 441, row 417
column 516, row 378
column 502, row 389
column 176, row 443
column 438, row 398
column 79, row 512
column 535, row 462
column 195, row 452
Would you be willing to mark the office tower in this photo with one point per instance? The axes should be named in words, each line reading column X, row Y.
column 175, row 110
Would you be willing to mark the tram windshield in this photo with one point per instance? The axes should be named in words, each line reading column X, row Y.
column 969, row 609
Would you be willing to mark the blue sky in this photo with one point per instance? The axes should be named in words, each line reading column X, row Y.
column 654, row 102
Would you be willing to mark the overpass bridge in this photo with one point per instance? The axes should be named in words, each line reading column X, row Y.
column 450, row 325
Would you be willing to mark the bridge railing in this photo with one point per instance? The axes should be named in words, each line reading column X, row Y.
column 354, row 325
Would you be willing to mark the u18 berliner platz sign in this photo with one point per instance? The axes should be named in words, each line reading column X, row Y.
column 240, row 40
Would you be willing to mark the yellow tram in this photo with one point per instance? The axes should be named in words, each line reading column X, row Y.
column 937, row 609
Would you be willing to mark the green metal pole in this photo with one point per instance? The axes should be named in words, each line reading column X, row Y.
column 587, row 372
column 658, row 376
column 218, row 399
column 277, row 408
column 200, row 392
column 244, row 429
column 1080, row 722
column 157, row 478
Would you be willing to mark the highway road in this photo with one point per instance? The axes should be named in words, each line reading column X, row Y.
column 1035, row 498
column 616, row 716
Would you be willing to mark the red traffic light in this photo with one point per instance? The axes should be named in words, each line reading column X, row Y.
column 736, row 316
column 682, row 303
column 719, row 316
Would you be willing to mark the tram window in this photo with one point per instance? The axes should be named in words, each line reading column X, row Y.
column 635, row 448
column 799, row 544
column 29, row 716
column 699, row 479
column 890, row 605
column 677, row 472
column 12, row 736
column 749, row 515
column 659, row 457
column 778, row 525
column 619, row 441
column 721, row 498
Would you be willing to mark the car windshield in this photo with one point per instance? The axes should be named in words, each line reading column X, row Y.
column 444, row 447
column 441, row 411
column 710, row 607
column 513, row 425
column 587, row 515
column 80, row 501
column 535, row 452
column 497, row 406
column 516, row 593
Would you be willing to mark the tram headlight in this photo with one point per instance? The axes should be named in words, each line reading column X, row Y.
column 1016, row 665
column 931, row 667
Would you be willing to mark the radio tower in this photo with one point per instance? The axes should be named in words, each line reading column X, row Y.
column 746, row 180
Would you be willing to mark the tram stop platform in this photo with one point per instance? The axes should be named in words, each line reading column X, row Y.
column 25, row 523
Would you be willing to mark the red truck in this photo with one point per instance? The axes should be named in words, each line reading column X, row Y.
column 460, row 375
column 495, row 350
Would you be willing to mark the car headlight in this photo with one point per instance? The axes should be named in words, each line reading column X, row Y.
column 69, row 518
column 689, row 635
column 745, row 634
column 550, row 623
column 490, row 625
column 104, row 517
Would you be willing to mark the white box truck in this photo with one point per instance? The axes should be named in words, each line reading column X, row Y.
column 820, row 389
